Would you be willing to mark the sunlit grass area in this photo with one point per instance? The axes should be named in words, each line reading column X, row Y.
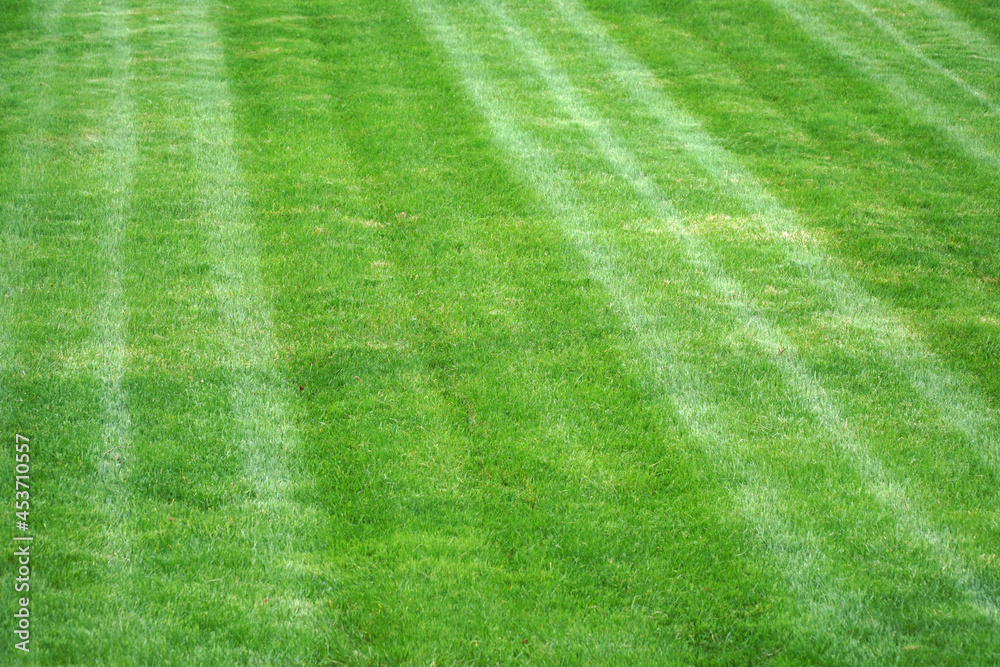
column 503, row 332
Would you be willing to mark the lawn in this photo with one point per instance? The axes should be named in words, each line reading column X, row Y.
column 501, row 332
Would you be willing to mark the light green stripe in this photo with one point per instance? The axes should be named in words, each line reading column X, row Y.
column 912, row 521
column 266, row 434
column 959, row 31
column 113, row 455
column 961, row 406
column 984, row 152
column 20, row 207
column 833, row 610
column 910, row 48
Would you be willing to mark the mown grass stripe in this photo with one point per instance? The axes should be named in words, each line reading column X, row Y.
column 21, row 187
column 235, row 276
column 465, row 320
column 962, row 408
column 33, row 151
column 33, row 368
column 832, row 609
column 266, row 435
column 960, row 31
column 113, row 455
column 912, row 49
column 976, row 147
column 890, row 493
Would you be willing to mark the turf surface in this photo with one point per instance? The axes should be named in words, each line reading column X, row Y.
column 503, row 332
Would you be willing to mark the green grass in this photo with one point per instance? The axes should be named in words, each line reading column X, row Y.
column 503, row 332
